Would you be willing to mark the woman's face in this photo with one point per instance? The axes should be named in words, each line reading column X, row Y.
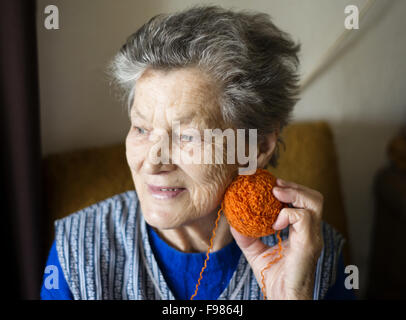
column 161, row 97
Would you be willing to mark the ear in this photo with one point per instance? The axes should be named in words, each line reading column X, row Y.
column 266, row 146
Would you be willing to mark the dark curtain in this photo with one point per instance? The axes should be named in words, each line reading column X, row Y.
column 21, row 223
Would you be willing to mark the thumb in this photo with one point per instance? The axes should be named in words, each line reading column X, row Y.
column 250, row 247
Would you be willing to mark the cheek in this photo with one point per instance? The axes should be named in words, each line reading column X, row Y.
column 209, row 184
column 136, row 151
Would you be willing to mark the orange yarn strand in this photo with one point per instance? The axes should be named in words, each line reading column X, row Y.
column 208, row 252
column 277, row 250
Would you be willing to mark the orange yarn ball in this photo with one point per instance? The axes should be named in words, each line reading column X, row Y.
column 249, row 205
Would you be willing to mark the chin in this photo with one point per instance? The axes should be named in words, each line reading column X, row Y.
column 159, row 218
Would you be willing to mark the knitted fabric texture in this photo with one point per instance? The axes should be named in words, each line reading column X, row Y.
column 251, row 209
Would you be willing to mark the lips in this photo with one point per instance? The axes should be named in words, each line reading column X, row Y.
column 165, row 192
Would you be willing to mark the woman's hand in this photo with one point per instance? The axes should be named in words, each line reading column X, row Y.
column 291, row 277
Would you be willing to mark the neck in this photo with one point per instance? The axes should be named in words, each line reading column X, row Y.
column 195, row 236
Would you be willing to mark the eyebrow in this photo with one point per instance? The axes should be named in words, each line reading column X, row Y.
column 137, row 113
column 185, row 119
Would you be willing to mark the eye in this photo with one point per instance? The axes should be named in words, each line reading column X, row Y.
column 186, row 138
column 140, row 130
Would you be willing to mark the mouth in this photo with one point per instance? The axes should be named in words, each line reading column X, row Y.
column 165, row 192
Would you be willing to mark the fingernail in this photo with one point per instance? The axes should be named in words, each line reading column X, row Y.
column 281, row 181
column 277, row 189
column 276, row 225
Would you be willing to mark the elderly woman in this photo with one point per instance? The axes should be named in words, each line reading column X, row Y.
column 206, row 68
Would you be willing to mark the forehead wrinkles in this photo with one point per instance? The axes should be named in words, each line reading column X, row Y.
column 197, row 100
column 186, row 95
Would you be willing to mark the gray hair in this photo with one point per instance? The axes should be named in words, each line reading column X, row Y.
column 252, row 61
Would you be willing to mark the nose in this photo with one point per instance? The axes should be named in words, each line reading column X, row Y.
column 159, row 158
column 151, row 168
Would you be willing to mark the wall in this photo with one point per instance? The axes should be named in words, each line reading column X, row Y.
column 361, row 94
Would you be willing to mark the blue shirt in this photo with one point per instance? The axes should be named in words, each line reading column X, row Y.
column 181, row 272
column 61, row 292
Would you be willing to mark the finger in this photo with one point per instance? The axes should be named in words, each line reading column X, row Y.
column 251, row 247
column 283, row 183
column 292, row 216
column 300, row 198
column 289, row 184
column 305, row 232
column 258, row 255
